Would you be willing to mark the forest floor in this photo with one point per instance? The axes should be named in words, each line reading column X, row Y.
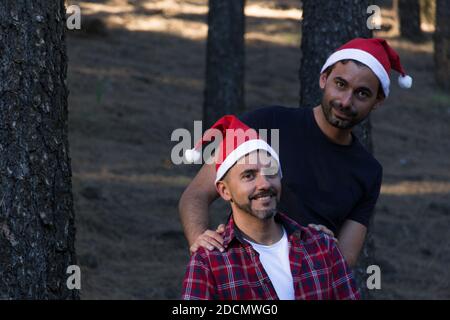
column 136, row 72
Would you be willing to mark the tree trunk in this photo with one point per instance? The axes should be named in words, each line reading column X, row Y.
column 326, row 26
column 442, row 44
column 36, row 208
column 224, row 87
column 409, row 18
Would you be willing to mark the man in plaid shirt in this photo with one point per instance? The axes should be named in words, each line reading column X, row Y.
column 266, row 255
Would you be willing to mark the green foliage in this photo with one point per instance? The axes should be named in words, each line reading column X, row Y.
column 441, row 98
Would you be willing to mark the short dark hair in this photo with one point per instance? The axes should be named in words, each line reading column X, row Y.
column 328, row 70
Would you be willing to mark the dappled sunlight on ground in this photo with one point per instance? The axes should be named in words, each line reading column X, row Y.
column 409, row 188
column 153, row 17
column 105, row 176
column 258, row 11
column 187, row 19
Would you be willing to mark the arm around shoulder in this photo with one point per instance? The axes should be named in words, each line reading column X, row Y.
column 194, row 202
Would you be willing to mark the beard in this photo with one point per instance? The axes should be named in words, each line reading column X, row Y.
column 339, row 122
column 262, row 214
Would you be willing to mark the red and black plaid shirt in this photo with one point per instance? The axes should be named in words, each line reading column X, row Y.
column 318, row 268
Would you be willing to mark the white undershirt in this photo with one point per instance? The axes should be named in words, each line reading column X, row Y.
column 275, row 260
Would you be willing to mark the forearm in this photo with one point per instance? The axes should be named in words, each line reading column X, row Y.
column 195, row 201
column 350, row 256
column 351, row 240
column 193, row 210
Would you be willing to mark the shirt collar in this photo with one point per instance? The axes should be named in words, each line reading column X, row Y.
column 232, row 232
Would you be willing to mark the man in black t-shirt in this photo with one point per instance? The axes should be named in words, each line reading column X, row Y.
column 329, row 179
column 336, row 181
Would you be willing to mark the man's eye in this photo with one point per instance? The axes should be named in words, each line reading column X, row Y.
column 362, row 94
column 247, row 176
column 339, row 84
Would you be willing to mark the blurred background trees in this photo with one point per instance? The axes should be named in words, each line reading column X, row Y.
column 225, row 60
column 409, row 19
column 442, row 44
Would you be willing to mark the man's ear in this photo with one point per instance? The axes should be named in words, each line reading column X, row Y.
column 323, row 80
column 222, row 189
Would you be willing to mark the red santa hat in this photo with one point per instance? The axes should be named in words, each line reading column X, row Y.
column 237, row 141
column 377, row 55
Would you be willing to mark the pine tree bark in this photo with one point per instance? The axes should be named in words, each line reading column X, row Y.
column 326, row 26
column 409, row 18
column 442, row 44
column 36, row 208
column 224, row 87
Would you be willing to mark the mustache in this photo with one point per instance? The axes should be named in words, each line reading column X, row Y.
column 269, row 192
column 349, row 112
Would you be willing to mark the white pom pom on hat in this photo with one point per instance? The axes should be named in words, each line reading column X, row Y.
column 405, row 81
column 192, row 155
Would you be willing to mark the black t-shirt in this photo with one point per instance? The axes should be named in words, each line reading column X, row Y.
column 323, row 182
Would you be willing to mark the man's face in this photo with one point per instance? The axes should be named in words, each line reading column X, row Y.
column 349, row 94
column 253, row 185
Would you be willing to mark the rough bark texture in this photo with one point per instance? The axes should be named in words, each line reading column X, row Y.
column 442, row 44
column 36, row 207
column 409, row 16
column 224, row 87
column 326, row 26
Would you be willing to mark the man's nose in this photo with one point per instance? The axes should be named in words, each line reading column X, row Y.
column 346, row 99
column 262, row 182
